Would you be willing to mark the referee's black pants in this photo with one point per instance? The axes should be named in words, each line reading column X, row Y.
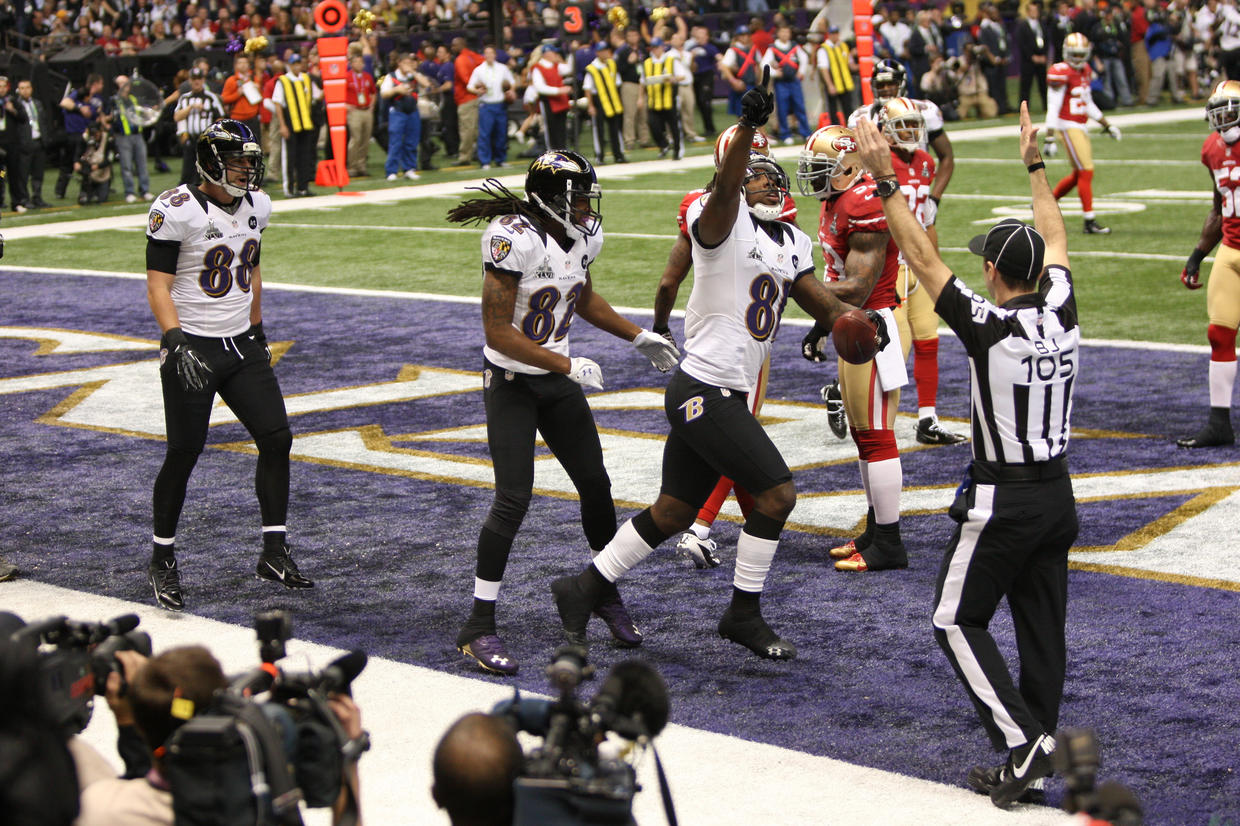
column 555, row 126
column 704, row 97
column 298, row 154
column 608, row 129
column 1013, row 541
column 519, row 408
column 189, row 161
column 665, row 129
column 241, row 375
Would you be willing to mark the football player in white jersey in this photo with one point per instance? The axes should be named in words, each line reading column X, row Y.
column 536, row 257
column 888, row 84
column 205, row 289
column 746, row 263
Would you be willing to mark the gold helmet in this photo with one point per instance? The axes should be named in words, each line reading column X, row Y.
column 760, row 143
column 1223, row 106
column 902, row 122
column 829, row 153
column 1076, row 50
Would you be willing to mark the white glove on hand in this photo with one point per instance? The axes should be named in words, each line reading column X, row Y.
column 1114, row 132
column 930, row 212
column 586, row 373
column 1050, row 148
column 661, row 352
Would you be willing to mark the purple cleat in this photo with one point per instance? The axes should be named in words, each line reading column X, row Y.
column 611, row 610
column 489, row 652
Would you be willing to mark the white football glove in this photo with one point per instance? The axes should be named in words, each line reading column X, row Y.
column 1114, row 132
column 586, row 373
column 1050, row 148
column 930, row 212
column 661, row 352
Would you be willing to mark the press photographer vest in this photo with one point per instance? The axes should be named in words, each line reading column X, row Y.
column 660, row 96
column 297, row 98
column 605, row 88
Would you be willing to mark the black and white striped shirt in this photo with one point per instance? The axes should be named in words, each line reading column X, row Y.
column 199, row 119
column 1023, row 362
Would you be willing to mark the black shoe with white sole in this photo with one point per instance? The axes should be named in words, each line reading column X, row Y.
column 165, row 579
column 277, row 565
column 1025, row 765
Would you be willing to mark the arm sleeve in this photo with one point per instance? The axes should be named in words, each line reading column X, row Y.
column 1054, row 105
column 1091, row 108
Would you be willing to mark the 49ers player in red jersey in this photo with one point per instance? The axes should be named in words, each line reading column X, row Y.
column 1069, row 107
column 1221, row 155
column 861, row 267
column 695, row 544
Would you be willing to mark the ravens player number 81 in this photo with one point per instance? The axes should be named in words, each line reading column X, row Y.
column 205, row 290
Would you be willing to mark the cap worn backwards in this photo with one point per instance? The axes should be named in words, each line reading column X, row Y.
column 1015, row 248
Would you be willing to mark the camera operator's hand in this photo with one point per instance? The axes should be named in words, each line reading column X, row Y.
column 349, row 715
column 116, row 692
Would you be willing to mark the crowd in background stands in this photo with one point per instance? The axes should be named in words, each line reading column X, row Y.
column 1142, row 49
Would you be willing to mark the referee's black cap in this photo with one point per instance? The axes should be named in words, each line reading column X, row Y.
column 1015, row 248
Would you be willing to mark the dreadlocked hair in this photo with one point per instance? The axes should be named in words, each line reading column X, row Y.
column 499, row 200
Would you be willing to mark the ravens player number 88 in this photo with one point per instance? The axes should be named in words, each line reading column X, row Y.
column 205, row 289
column 536, row 259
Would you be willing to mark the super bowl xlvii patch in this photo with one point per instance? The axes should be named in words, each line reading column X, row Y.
column 157, row 220
column 212, row 232
column 500, row 247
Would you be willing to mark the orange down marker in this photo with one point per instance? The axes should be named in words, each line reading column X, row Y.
column 330, row 15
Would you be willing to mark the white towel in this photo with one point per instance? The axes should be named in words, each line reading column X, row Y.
column 892, row 374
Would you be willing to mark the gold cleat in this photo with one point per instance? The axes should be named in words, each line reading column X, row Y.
column 844, row 551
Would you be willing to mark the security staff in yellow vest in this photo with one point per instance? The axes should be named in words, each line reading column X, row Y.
column 661, row 75
column 602, row 88
column 129, row 142
column 836, row 66
column 293, row 96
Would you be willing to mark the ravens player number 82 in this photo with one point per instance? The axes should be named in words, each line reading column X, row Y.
column 205, row 289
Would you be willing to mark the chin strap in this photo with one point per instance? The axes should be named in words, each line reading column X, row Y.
column 766, row 212
column 574, row 232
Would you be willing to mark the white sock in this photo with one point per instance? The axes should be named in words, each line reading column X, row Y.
column 702, row 532
column 926, row 413
column 625, row 550
column 886, row 479
column 484, row 589
column 753, row 562
column 1089, row 216
column 164, row 540
column 1222, row 379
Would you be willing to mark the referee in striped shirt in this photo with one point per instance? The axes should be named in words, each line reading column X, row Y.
column 195, row 111
column 1016, row 509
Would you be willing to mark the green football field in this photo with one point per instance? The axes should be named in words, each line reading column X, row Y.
column 1150, row 189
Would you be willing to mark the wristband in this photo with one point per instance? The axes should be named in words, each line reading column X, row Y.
column 937, row 201
column 352, row 751
column 1034, row 167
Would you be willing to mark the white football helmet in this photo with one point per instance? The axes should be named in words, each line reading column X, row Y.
column 902, row 121
column 760, row 144
column 828, row 154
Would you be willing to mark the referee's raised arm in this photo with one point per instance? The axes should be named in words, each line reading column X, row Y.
column 1046, row 215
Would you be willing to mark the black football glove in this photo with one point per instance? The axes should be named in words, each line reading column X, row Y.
column 256, row 335
column 758, row 103
column 193, row 372
column 812, row 342
column 884, row 338
column 666, row 332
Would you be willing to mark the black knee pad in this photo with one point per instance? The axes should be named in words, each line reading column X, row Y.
column 278, row 443
column 507, row 511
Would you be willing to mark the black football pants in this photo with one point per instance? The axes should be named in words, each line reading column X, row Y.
column 520, row 407
column 243, row 378
column 1013, row 541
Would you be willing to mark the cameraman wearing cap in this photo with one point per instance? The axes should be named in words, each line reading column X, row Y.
column 155, row 697
column 1016, row 509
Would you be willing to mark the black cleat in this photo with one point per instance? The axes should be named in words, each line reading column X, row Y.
column 930, row 432
column 983, row 780
column 837, row 420
column 1026, row 764
column 165, row 578
column 610, row 609
column 575, row 608
column 753, row 633
column 278, row 566
column 1092, row 227
column 1213, row 434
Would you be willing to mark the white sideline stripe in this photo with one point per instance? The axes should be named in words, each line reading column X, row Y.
column 1050, row 166
column 715, row 779
column 637, row 311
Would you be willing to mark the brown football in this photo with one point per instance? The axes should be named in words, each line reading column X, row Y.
column 855, row 337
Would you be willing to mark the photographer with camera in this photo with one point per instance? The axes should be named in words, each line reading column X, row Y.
column 974, row 91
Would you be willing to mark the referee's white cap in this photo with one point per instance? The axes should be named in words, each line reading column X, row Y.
column 1015, row 248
